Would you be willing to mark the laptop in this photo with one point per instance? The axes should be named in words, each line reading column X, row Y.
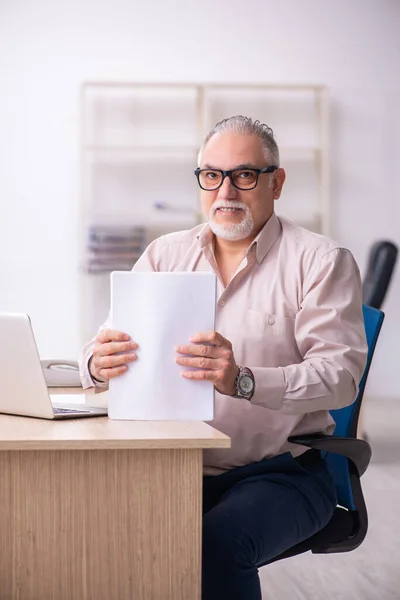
column 23, row 388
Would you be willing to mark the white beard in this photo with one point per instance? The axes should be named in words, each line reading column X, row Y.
column 235, row 231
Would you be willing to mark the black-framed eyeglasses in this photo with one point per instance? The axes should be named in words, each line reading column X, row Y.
column 242, row 179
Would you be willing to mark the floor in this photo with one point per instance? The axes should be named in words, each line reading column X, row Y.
column 372, row 572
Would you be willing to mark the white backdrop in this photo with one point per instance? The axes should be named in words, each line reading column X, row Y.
column 47, row 49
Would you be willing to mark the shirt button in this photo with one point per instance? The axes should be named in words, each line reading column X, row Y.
column 271, row 320
column 222, row 302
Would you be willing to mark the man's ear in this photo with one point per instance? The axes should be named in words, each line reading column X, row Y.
column 279, row 180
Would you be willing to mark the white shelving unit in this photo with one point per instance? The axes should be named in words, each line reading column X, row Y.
column 139, row 148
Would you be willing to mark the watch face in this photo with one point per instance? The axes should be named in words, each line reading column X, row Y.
column 246, row 384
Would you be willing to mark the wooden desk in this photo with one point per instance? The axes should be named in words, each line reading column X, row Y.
column 95, row 509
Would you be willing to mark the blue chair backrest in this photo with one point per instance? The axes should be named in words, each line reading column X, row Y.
column 346, row 418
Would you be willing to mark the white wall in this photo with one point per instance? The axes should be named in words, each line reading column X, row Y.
column 47, row 49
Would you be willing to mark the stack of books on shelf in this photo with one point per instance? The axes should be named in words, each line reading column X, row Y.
column 114, row 247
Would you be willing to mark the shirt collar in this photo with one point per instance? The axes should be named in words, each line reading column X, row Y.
column 267, row 237
column 206, row 236
column 262, row 243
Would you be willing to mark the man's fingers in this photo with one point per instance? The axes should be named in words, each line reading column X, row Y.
column 113, row 360
column 112, row 352
column 110, row 335
column 200, row 350
column 114, row 347
column 201, row 375
column 110, row 373
column 198, row 362
column 211, row 337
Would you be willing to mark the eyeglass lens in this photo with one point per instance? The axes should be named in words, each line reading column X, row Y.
column 242, row 178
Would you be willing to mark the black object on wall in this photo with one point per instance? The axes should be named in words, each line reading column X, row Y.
column 381, row 263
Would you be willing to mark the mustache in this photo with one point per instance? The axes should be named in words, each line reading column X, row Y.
column 227, row 204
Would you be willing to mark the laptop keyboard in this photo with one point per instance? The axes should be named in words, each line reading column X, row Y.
column 58, row 410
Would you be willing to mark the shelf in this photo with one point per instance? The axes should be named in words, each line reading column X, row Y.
column 123, row 184
column 301, row 152
column 143, row 149
column 141, row 155
column 149, row 150
column 151, row 218
column 128, row 116
column 139, row 147
column 106, row 85
column 292, row 114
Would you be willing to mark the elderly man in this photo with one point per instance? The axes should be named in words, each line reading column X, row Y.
column 289, row 346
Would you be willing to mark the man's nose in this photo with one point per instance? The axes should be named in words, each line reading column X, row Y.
column 227, row 189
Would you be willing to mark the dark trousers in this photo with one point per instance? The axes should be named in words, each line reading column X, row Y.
column 253, row 513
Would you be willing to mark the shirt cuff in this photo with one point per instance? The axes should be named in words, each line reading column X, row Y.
column 87, row 379
column 269, row 387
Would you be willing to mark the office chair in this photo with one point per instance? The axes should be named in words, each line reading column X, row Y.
column 348, row 458
column 381, row 262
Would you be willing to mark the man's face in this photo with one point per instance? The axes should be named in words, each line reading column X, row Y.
column 239, row 214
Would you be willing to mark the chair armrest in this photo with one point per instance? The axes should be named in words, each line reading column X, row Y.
column 358, row 451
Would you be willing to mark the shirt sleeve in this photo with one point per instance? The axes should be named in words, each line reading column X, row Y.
column 147, row 262
column 330, row 335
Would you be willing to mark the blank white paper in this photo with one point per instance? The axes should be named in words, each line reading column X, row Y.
column 161, row 311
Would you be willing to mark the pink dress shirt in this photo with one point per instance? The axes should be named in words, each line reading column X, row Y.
column 293, row 313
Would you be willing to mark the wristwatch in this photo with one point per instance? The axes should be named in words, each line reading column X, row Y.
column 244, row 384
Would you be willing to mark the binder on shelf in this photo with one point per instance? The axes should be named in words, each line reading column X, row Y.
column 114, row 247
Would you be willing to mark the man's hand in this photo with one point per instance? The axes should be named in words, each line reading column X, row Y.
column 215, row 362
column 112, row 351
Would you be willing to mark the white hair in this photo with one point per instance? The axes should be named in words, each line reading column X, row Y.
column 246, row 126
